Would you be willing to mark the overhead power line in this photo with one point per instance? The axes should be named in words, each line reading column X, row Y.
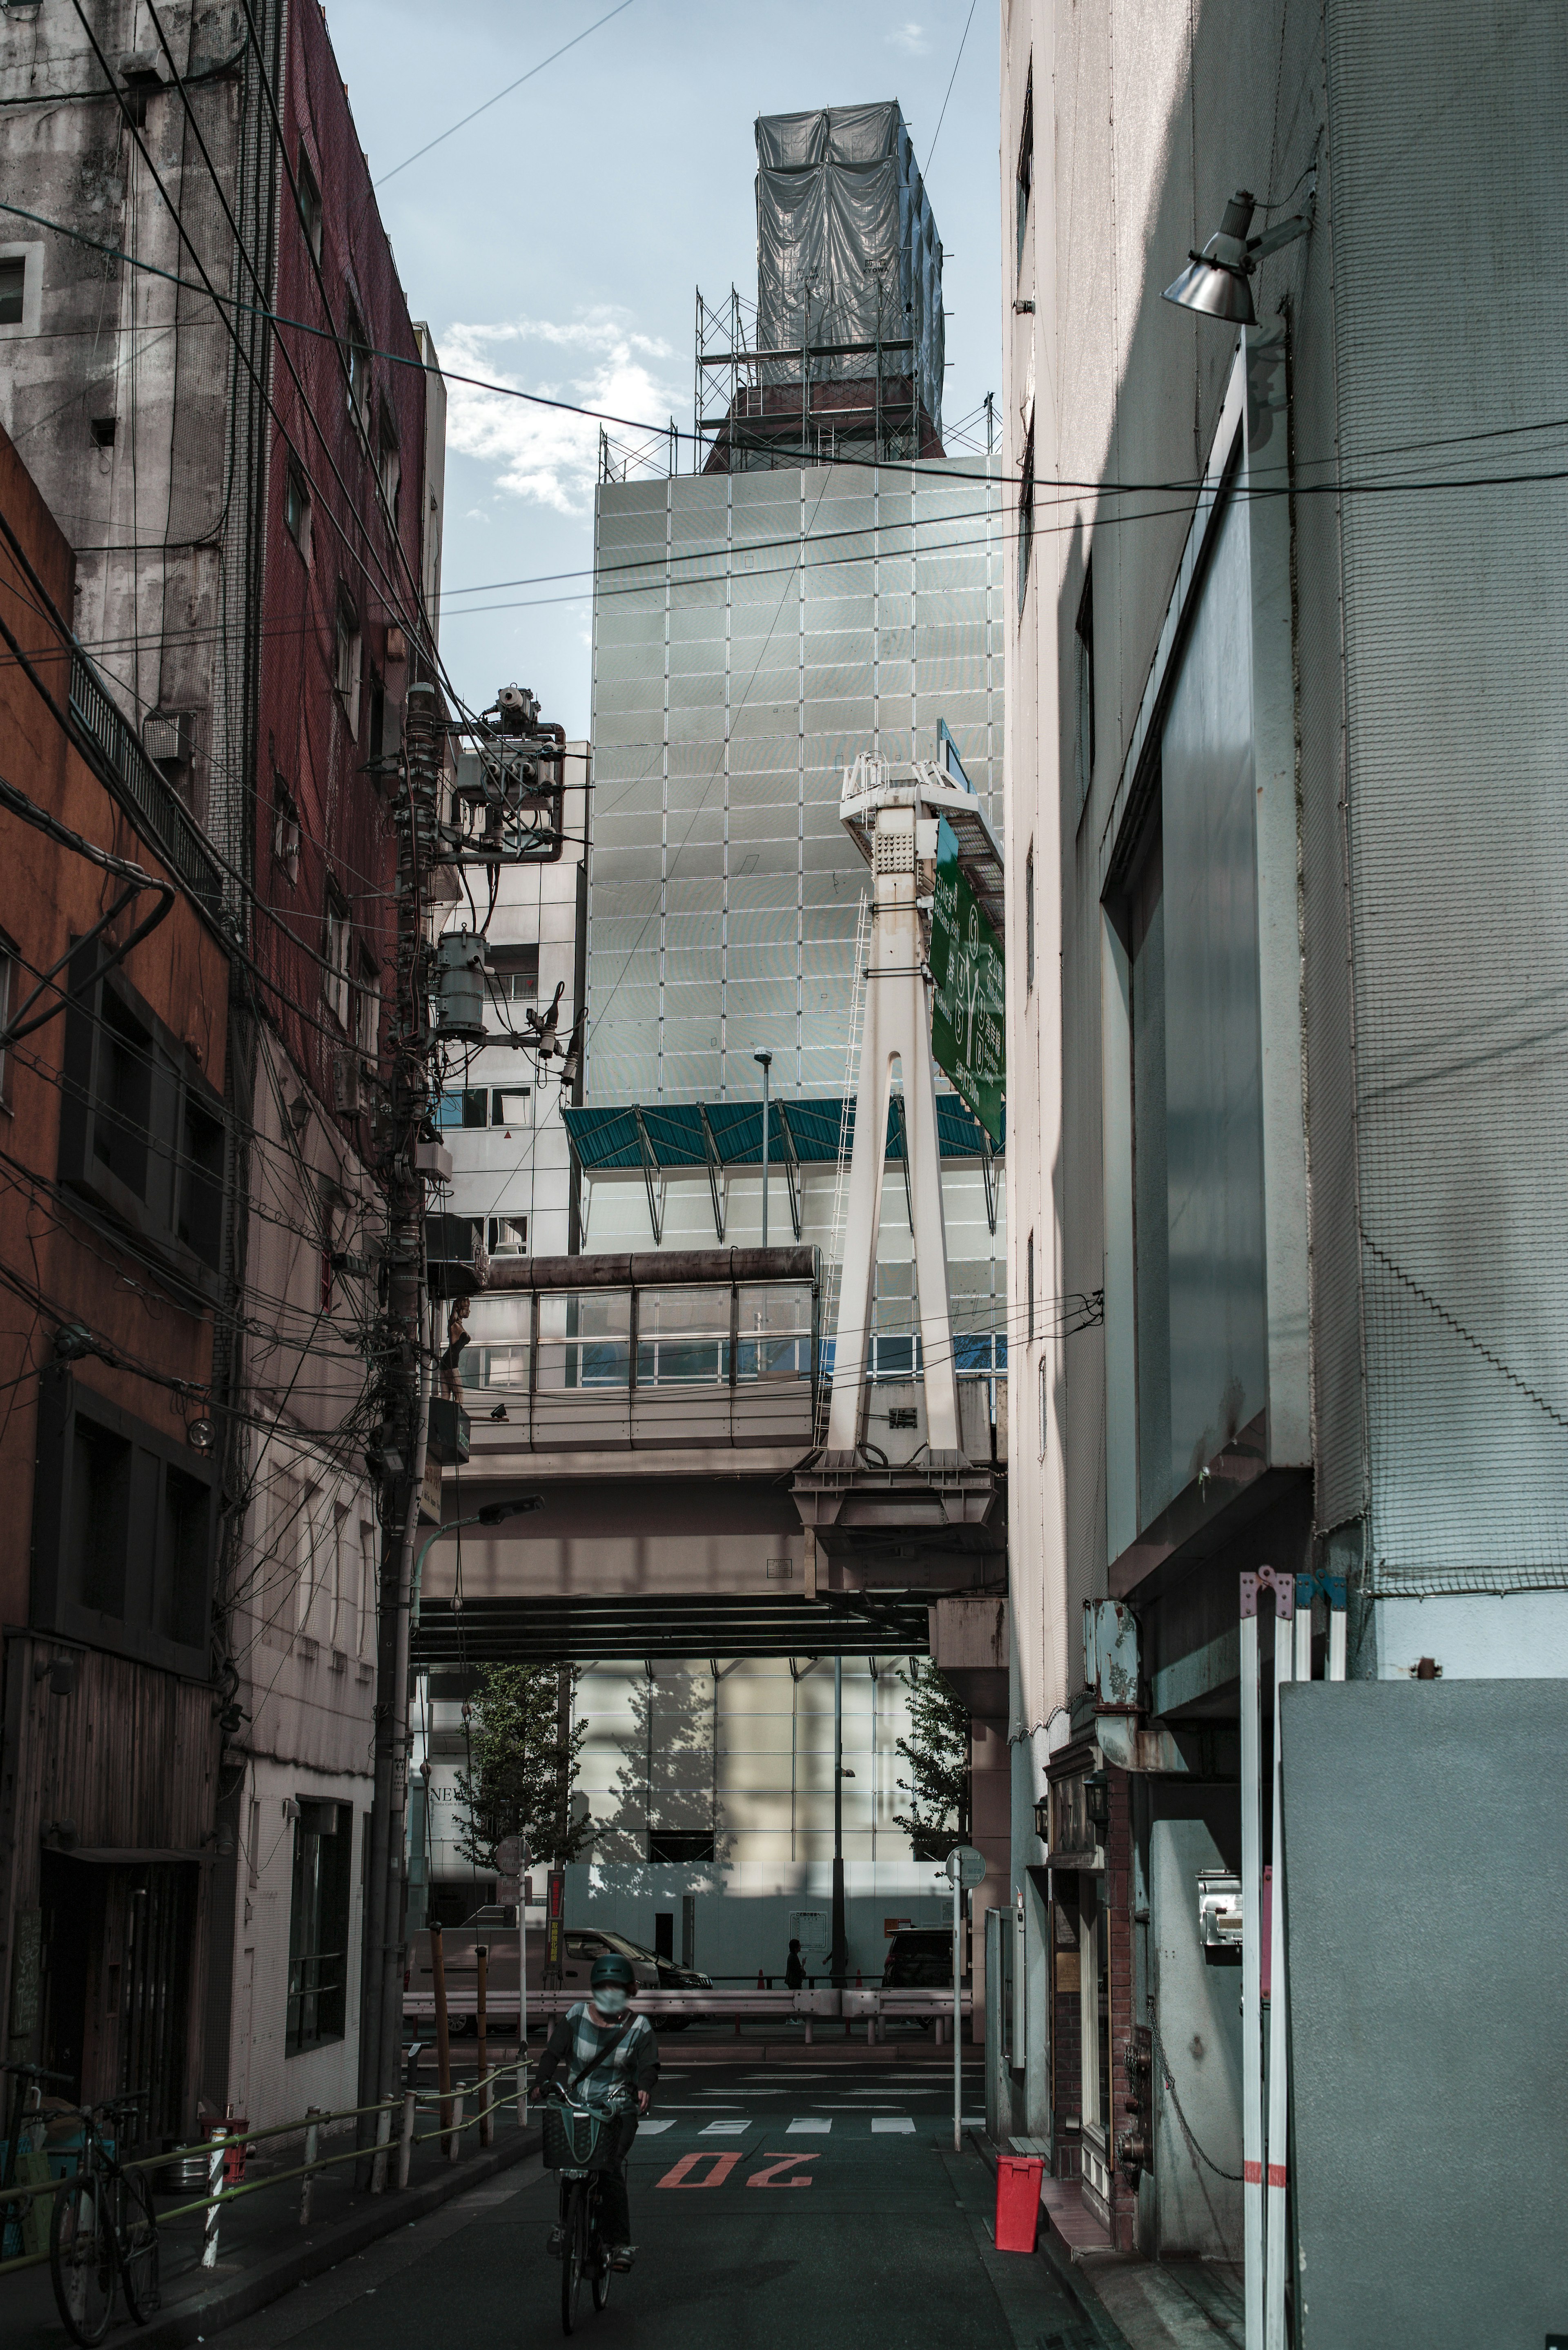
column 452, row 128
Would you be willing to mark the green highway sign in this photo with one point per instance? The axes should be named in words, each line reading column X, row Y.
column 969, row 1015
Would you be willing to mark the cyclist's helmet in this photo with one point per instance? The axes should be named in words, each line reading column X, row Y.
column 610, row 1967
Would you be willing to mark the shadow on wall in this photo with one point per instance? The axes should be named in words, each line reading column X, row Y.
column 666, row 1789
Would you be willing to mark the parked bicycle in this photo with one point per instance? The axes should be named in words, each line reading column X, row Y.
column 103, row 2234
column 576, row 2145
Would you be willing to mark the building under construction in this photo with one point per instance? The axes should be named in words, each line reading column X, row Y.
column 842, row 352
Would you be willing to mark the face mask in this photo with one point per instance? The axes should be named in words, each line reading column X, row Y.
column 610, row 2001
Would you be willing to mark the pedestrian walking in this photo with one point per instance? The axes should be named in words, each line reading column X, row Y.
column 795, row 1968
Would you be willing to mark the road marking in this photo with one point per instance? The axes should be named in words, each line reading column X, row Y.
column 774, row 2174
column 651, row 2129
column 808, row 2124
column 724, row 2129
column 896, row 2122
column 680, row 2176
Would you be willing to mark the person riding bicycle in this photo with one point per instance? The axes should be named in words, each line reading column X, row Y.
column 611, row 2062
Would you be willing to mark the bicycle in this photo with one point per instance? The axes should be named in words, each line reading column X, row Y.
column 576, row 2145
column 103, row 2235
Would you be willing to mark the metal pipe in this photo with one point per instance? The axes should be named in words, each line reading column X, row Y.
column 1251, row 1979
column 1276, row 2262
column 839, row 1956
column 958, row 2013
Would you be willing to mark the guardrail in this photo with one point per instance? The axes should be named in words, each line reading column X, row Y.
column 871, row 2006
column 451, row 2128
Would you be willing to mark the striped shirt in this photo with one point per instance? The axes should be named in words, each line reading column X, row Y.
column 606, row 2061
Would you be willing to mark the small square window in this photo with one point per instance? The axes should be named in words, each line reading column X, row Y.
column 103, row 429
column 368, row 1009
column 12, row 290
column 349, row 648
column 359, row 357
column 514, row 974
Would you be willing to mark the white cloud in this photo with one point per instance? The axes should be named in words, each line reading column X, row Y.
column 911, row 37
column 548, row 455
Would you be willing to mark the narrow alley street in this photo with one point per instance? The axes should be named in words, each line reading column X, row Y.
column 873, row 2230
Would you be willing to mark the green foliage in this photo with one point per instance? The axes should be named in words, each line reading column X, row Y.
column 937, row 1752
column 521, row 1773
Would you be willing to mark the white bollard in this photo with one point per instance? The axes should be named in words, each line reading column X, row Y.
column 215, row 2182
column 312, row 2148
column 454, row 2140
column 383, row 2150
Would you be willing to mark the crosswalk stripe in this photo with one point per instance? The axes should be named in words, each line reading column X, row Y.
column 723, row 2129
column 651, row 2129
column 815, row 2125
column 899, row 2123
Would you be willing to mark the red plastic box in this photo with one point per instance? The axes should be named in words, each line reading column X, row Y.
column 1018, row 2178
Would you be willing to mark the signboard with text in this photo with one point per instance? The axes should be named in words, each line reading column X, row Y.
column 969, row 1015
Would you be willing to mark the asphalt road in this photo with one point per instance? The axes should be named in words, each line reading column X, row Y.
column 783, row 2207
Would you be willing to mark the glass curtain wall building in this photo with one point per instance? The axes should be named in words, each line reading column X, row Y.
column 754, row 633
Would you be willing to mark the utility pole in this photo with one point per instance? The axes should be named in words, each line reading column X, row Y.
column 507, row 807
column 838, row 1957
column 398, row 1454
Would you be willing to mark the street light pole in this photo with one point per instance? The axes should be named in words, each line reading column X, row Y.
column 491, row 1514
column 839, row 1957
column 765, row 1062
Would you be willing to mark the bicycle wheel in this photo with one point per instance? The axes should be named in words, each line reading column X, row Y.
column 598, row 2257
column 574, row 2253
column 139, row 2249
column 82, row 2264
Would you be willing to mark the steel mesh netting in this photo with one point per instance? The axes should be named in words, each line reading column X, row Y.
column 1456, row 705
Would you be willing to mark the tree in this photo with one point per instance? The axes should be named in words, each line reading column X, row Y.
column 937, row 1752
column 520, row 1767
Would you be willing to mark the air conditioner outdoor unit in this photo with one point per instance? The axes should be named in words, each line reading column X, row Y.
column 350, row 1093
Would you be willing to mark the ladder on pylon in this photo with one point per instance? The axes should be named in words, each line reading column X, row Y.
column 833, row 1273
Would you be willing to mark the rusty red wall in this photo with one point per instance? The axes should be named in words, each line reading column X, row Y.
column 305, row 737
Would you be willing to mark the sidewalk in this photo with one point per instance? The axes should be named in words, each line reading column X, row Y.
column 1132, row 2304
column 262, row 2251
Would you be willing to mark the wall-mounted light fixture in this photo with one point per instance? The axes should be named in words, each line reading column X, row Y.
column 60, row 1672
column 1215, row 282
column 201, row 1434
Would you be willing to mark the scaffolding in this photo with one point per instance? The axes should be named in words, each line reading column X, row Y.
column 757, row 409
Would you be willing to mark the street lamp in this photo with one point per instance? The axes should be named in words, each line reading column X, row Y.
column 765, row 1062
column 491, row 1514
column 1214, row 283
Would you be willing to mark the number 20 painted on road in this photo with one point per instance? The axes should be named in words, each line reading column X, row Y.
column 783, row 2170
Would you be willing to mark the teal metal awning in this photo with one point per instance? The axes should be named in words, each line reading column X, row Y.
column 690, row 1137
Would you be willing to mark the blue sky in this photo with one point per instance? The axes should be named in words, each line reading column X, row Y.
column 557, row 242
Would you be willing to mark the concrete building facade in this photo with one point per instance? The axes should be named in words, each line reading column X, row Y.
column 1278, row 1093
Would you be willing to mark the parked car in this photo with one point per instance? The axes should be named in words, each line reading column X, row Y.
column 496, row 1927
column 919, row 1958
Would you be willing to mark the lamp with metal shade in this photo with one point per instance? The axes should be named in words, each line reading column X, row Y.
column 1215, row 282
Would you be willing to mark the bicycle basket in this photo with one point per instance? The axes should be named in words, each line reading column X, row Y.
column 574, row 2139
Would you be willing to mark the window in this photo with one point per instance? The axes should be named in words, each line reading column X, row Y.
column 350, row 645
column 338, row 934
column 319, row 1924
column 1026, row 514
column 514, row 974
column 21, row 286
column 511, row 1106
column 1029, row 920
column 508, row 1237
column 1025, row 164
column 284, row 830
column 481, row 1105
column 1085, row 635
column 359, row 359
column 368, row 1009
column 124, row 1530
column 104, row 430
column 679, row 1844
column 310, row 199
column 391, row 464
column 141, row 1132
column 297, row 510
